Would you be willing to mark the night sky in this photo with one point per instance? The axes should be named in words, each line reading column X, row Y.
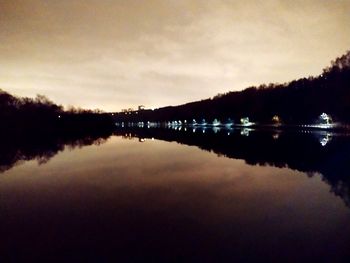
column 119, row 54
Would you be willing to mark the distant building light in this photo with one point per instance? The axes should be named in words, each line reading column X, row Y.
column 216, row 122
column 275, row 136
column 276, row 119
column 244, row 120
column 216, row 129
column 203, row 122
column 325, row 118
column 229, row 122
column 245, row 132
column 325, row 139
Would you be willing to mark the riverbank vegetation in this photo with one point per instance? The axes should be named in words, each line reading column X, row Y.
column 23, row 115
column 297, row 102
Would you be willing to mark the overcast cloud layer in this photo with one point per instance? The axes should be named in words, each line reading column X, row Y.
column 119, row 54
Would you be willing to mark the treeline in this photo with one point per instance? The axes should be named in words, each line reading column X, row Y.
column 296, row 102
column 19, row 115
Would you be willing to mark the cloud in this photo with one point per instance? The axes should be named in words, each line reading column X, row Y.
column 117, row 54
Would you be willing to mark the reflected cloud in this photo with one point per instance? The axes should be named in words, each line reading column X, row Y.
column 42, row 147
column 295, row 150
column 325, row 139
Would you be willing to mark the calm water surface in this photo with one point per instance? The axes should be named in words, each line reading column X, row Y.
column 154, row 200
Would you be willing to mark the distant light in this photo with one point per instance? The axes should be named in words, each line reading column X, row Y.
column 216, row 129
column 59, row 116
column 325, row 140
column 216, row 122
column 326, row 118
column 245, row 132
column 276, row 119
column 245, row 122
column 275, row 136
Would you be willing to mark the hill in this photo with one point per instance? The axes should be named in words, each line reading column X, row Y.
column 296, row 102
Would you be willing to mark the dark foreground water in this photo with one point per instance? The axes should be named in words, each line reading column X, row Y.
column 158, row 195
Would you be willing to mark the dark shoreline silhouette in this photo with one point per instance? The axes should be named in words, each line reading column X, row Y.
column 40, row 115
column 300, row 101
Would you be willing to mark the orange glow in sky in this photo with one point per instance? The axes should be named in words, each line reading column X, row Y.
column 120, row 54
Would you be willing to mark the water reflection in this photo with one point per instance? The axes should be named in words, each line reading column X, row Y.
column 146, row 195
column 303, row 151
column 307, row 151
column 17, row 149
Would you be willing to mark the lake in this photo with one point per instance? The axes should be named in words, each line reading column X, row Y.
column 177, row 195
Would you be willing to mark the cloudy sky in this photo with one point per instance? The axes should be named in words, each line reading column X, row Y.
column 115, row 54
